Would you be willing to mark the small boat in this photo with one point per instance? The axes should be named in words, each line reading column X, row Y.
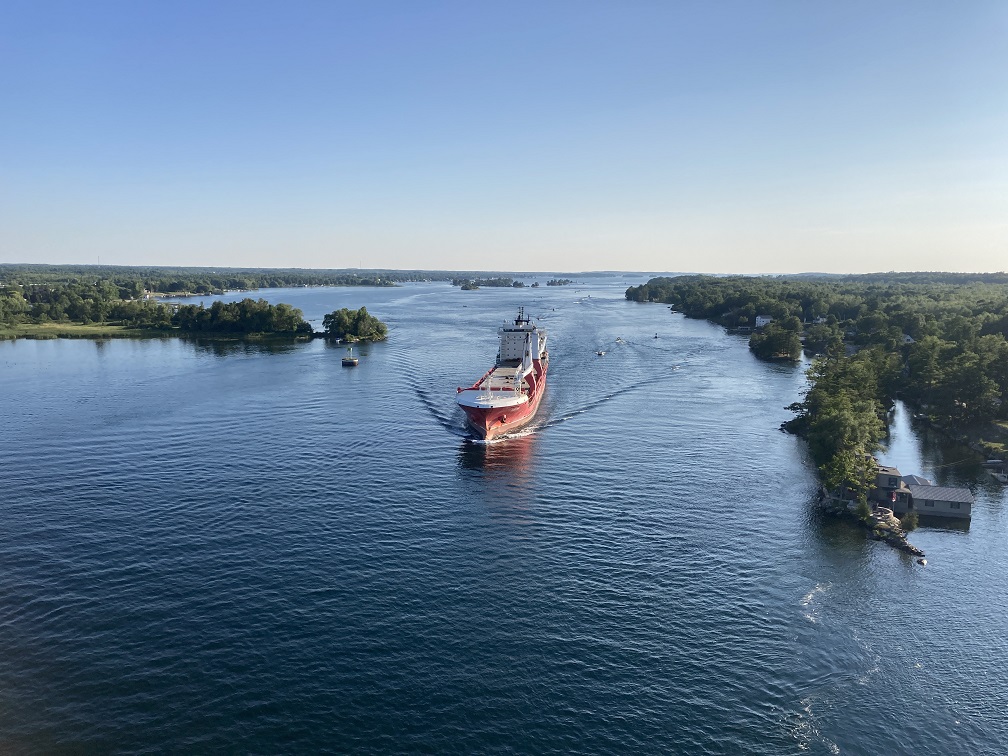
column 600, row 353
column 349, row 360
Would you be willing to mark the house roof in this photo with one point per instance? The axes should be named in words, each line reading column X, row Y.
column 916, row 480
column 941, row 493
column 886, row 470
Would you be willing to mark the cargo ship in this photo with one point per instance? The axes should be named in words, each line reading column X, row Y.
column 508, row 394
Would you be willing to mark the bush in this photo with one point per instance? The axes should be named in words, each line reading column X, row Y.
column 863, row 511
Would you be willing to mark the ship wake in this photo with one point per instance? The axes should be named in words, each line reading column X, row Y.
column 452, row 423
column 596, row 403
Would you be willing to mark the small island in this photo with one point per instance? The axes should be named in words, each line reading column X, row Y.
column 559, row 282
column 354, row 325
column 471, row 284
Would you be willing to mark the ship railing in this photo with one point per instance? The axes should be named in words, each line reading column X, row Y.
column 486, row 388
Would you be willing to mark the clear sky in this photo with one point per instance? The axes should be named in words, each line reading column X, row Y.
column 707, row 136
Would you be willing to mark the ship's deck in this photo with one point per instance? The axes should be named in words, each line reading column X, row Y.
column 505, row 375
column 503, row 381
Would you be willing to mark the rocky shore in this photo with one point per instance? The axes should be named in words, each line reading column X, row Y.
column 885, row 526
column 881, row 522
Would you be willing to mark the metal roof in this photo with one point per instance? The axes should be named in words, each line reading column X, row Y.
column 941, row 493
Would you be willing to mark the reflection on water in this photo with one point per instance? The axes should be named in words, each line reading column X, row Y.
column 512, row 458
column 227, row 348
column 361, row 348
column 944, row 523
column 952, row 463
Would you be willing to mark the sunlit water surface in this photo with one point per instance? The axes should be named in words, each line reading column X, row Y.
column 250, row 548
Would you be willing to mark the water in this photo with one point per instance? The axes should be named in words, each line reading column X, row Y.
column 250, row 548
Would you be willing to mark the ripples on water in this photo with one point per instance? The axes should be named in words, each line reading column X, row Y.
column 211, row 547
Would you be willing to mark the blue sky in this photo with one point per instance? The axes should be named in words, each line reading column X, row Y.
column 674, row 136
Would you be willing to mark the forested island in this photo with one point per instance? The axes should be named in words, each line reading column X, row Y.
column 354, row 325
column 935, row 340
column 471, row 284
column 248, row 316
column 92, row 301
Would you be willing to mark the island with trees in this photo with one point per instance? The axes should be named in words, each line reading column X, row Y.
column 935, row 340
column 354, row 325
column 471, row 284
column 51, row 301
column 245, row 317
column 559, row 282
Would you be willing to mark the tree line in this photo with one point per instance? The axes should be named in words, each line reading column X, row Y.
column 100, row 303
column 110, row 294
column 935, row 340
column 246, row 316
column 133, row 281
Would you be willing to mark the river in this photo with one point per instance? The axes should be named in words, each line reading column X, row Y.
column 249, row 548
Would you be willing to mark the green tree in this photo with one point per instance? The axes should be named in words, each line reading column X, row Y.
column 778, row 340
column 354, row 325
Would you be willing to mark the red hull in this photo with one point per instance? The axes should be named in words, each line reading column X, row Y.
column 492, row 422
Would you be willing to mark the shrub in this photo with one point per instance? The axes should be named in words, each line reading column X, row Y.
column 863, row 511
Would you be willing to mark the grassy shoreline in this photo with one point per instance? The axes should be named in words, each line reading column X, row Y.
column 117, row 331
column 76, row 331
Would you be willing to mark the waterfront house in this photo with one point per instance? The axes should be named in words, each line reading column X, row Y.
column 941, row 501
column 762, row 320
column 889, row 489
column 912, row 493
column 888, row 477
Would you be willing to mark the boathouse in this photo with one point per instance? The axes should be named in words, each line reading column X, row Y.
column 912, row 493
column 941, row 501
